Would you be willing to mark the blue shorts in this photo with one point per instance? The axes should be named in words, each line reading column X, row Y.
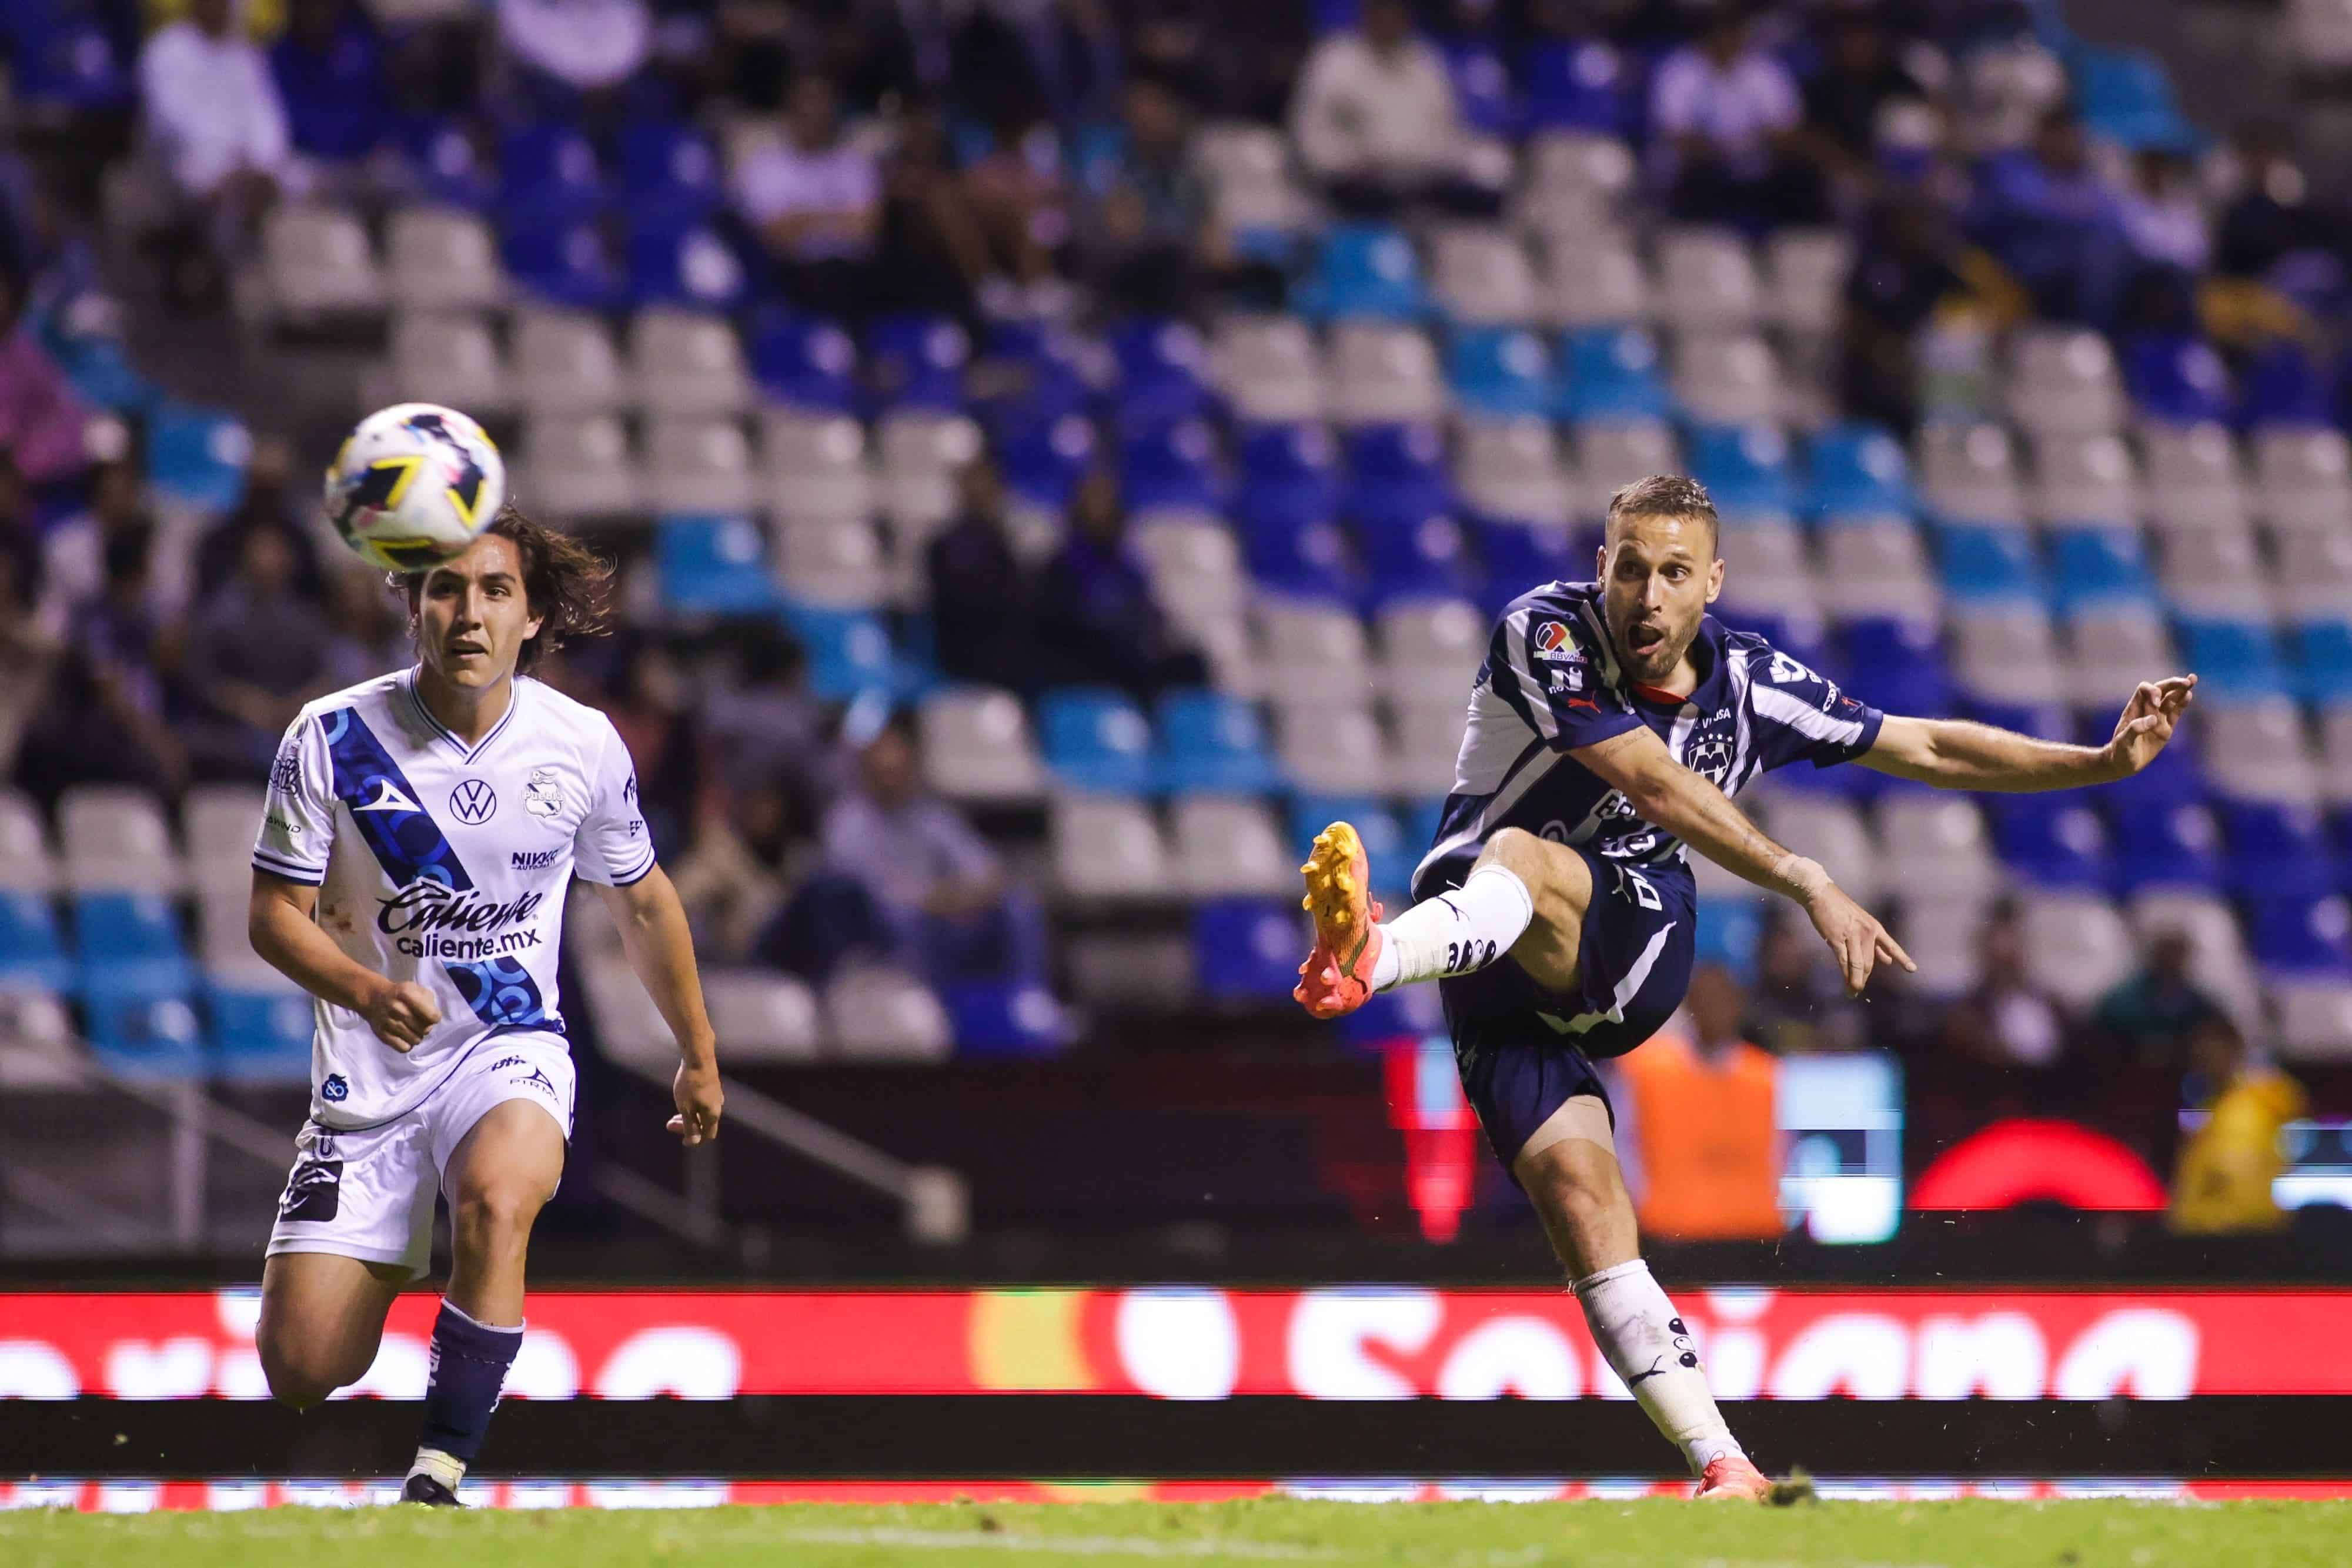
column 1523, row 1051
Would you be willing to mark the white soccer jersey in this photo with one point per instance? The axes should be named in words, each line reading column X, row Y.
column 446, row 865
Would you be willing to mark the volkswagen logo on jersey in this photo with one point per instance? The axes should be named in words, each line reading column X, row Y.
column 474, row 802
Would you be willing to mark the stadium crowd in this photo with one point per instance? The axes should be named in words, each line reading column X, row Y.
column 1004, row 163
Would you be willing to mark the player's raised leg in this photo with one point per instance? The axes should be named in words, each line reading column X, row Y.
column 321, row 1319
column 502, row 1173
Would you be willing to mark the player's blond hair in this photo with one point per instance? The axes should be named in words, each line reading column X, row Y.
column 1665, row 496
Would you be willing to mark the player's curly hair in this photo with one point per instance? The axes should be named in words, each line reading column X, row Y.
column 565, row 583
column 1665, row 496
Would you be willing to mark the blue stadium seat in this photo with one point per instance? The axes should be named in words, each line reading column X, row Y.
column 682, row 260
column 2300, row 935
column 2050, row 841
column 917, row 361
column 715, row 565
column 2094, row 566
column 1011, row 1019
column 1518, row 555
column 1744, row 468
column 1364, row 271
column 1901, row 665
column 1482, row 86
column 2323, row 662
column 442, row 164
column 2175, row 379
column 1424, row 558
column 2282, row 389
column 128, row 945
column 1500, row 370
column 1096, row 739
column 669, row 167
column 1388, row 845
column 805, row 361
column 196, row 457
column 1248, row 949
column 548, row 175
column 1857, row 470
column 1612, row 372
column 1160, row 374
column 1397, row 471
column 1043, row 463
column 564, row 262
column 1174, row 468
column 152, row 1037
column 1213, row 743
column 1579, row 86
column 849, row 653
column 1287, row 471
column 2277, row 851
column 1728, row 931
column 2165, row 843
column 1982, row 563
column 2233, row 658
column 63, row 58
column 32, row 949
column 2127, row 98
column 259, row 1036
column 1298, row 558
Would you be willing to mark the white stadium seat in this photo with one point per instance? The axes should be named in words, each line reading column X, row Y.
column 1314, row 652
column 1268, row 369
column 2084, row 479
column 921, row 455
column 2006, row 653
column 815, row 467
column 563, row 361
column 1969, row 473
column 1481, row 275
column 1708, row 281
column 1431, row 649
column 2256, row 750
column 575, row 467
column 440, row 258
column 1806, row 272
column 114, row 839
column 1733, row 379
column 1832, row 832
column 2315, row 576
column 1195, row 569
column 2062, row 381
column 2194, row 480
column 2314, row 1018
column 976, row 747
column 1511, row 469
column 317, row 267
column 2218, row 964
column 2216, row 572
column 2302, row 480
column 445, row 359
column 760, row 1016
column 688, row 363
column 218, row 822
column 1382, row 375
column 1612, row 455
column 697, row 465
column 25, row 862
column 1226, row 848
column 1107, row 849
column 2336, row 754
column 841, row 564
column 1427, row 741
column 2076, row 946
column 1877, row 567
column 1331, row 749
column 1592, row 278
column 881, row 1014
column 1941, row 935
column 1936, row 847
column 2111, row 649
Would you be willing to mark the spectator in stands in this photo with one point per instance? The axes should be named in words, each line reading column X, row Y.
column 1913, row 273
column 268, row 502
column 763, row 727
column 371, row 628
column 983, row 599
column 215, row 119
column 733, row 880
column 1097, row 622
column 2225, row 1179
column 2271, row 231
column 1375, row 120
column 43, row 424
column 1020, row 192
column 2045, row 215
column 329, row 67
column 816, row 202
column 108, row 724
column 73, row 555
column 1698, row 1119
column 1799, row 1005
column 649, row 702
column 2151, row 1016
column 28, row 642
column 864, row 48
column 576, row 45
column 1058, row 61
column 1858, row 80
column 259, row 650
column 1150, row 237
column 932, row 256
column 2007, row 1022
column 1724, row 116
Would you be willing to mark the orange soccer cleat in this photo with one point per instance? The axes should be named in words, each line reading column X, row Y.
column 1338, row 975
column 1731, row 1476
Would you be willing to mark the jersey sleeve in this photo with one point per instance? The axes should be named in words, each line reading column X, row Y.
column 297, row 815
column 1549, row 668
column 1800, row 716
column 614, row 846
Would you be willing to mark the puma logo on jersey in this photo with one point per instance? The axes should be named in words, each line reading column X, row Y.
column 388, row 798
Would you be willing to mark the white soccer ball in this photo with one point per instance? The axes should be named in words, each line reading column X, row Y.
column 413, row 485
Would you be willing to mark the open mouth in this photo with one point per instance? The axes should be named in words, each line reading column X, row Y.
column 1645, row 640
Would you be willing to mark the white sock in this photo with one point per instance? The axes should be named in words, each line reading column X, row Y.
column 447, row 1468
column 1455, row 932
column 1648, row 1348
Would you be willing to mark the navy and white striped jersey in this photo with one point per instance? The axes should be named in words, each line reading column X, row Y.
column 1551, row 684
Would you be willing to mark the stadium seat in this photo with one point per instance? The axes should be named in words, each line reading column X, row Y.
column 2323, row 662
column 1481, row 276
column 1764, row 570
column 141, row 1037
column 2099, row 568
column 2076, row 946
column 1876, row 567
column 687, row 363
column 2280, row 389
column 1226, row 846
column 1331, row 749
column 1431, row 650
column 2215, row 574
column 1708, row 281
column 1267, row 368
column 2166, row 844
column 2006, row 653
column 1733, row 379
column 1107, row 849
column 2176, row 380
column 917, row 361
column 1039, row 375
column 1171, row 469
column 815, row 466
column 2300, row 935
column 1482, row 86
column 218, row 823
column 548, row 173
column 1382, row 375
column 670, row 169
column 850, row 657
column 1936, row 847
column 697, row 465
column 2217, row 949
column 2062, row 381
column 1314, row 653
column 806, row 362
column 2050, row 840
column 976, row 746
column 1413, row 561
column 1289, row 474
column 128, row 945
column 1364, row 272
column 1613, row 452
column 1941, row 937
column 1006, row 1020
column 444, row 358
column 1805, row 272
column 1980, row 564
column 713, row 565
column 2315, row 577
column 1856, row 470
column 1096, row 739
column 1592, row 281
column 1744, row 468
column 2314, row 1017
column 563, row 361
column 259, row 1036
column 1579, row 86
column 687, row 263
column 566, row 263
column 25, row 862
column 2302, row 480
column 1162, row 374
column 2084, row 479
column 2278, row 851
column 838, row 564
column 1832, row 832
column 1212, row 743
column 1248, row 949
column 1511, row 469
column 2193, row 479
column 317, row 267
column 1611, row 374
column 2113, row 647
column 1969, row 473
column 2234, row 660
column 440, row 258
column 1042, row 463
column 1195, row 567
column 32, row 946
column 1246, row 169
column 2253, row 748
column 1500, row 372
column 1305, row 560
column 113, row 838
column 1426, row 740
column 575, row 467
column 1397, row 472
column 1518, row 555
column 881, row 1014
column 760, row 1016
column 920, row 454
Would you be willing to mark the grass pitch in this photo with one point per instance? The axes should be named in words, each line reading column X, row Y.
column 1597, row 1534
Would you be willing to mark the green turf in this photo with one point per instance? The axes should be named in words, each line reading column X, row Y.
column 1644, row 1534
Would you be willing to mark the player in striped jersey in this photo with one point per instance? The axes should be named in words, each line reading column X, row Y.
column 1609, row 727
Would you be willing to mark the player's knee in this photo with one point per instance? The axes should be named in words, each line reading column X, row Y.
column 496, row 1214
column 300, row 1375
column 1585, row 1192
column 1519, row 849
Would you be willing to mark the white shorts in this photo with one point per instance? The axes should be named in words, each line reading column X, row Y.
column 369, row 1195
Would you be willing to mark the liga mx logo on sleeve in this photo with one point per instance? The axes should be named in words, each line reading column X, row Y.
column 1549, row 639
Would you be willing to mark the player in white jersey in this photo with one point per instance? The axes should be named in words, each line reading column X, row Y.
column 420, row 833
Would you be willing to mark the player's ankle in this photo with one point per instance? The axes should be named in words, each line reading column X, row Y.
column 444, row 1467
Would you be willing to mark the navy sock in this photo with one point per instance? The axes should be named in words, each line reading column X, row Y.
column 469, row 1366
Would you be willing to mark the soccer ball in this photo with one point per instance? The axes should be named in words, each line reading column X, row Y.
column 413, row 485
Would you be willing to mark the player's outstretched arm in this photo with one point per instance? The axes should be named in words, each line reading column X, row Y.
column 654, row 935
column 278, row 924
column 1954, row 754
column 1668, row 795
